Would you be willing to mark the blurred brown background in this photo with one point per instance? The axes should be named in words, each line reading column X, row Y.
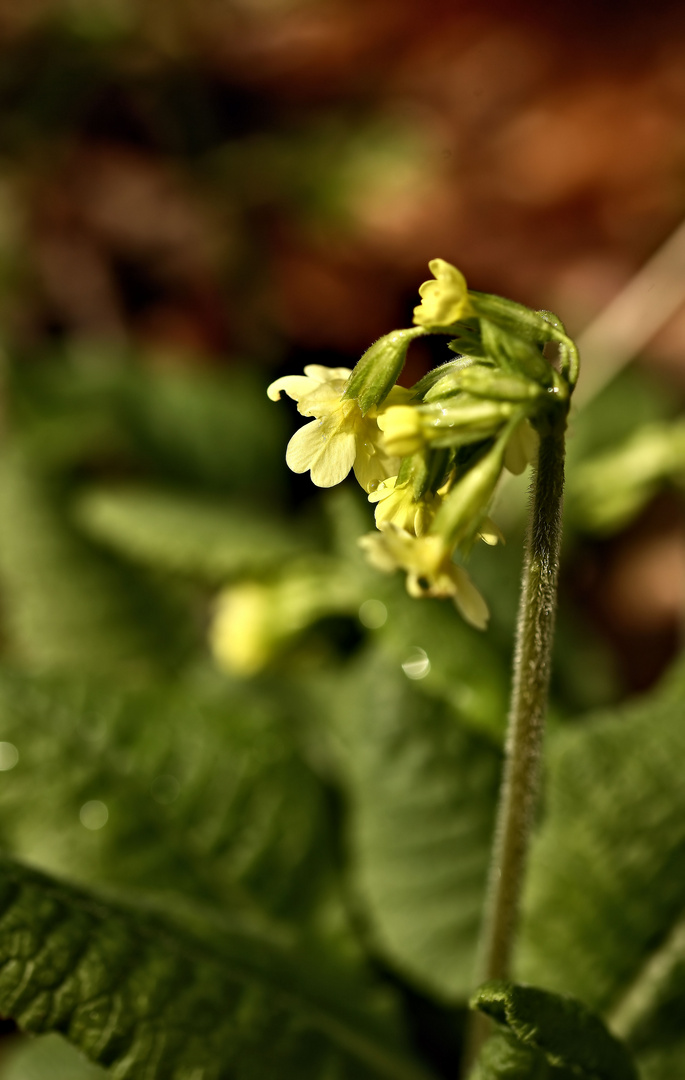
column 264, row 182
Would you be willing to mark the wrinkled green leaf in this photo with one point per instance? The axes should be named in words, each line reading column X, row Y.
column 504, row 1057
column 206, row 794
column 150, row 1002
column 606, row 891
column 562, row 1029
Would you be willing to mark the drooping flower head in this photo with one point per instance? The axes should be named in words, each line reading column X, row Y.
column 431, row 457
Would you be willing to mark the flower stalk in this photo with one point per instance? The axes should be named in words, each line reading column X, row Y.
column 523, row 752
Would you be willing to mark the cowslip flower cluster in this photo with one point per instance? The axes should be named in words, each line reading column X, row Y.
column 430, row 457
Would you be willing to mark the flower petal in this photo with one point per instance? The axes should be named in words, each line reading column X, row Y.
column 304, row 447
column 470, row 603
column 295, row 386
column 490, row 532
column 334, row 460
column 322, row 374
column 522, row 448
column 371, row 468
column 378, row 553
column 322, row 399
column 325, row 451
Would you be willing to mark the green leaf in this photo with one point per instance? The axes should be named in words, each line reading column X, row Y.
column 206, row 795
column 422, row 790
column 151, row 1003
column 504, row 1057
column 48, row 1057
column 606, row 890
column 216, row 432
column 183, row 533
column 66, row 603
column 565, row 1032
column 464, row 668
column 607, row 491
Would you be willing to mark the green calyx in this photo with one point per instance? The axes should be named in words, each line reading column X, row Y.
column 377, row 371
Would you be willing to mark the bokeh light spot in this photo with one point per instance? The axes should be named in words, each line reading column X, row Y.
column 93, row 814
column 417, row 665
column 373, row 614
column 9, row 756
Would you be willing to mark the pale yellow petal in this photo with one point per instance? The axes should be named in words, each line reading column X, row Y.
column 295, row 386
column 521, row 449
column 322, row 399
column 372, row 468
column 491, row 533
column 401, row 429
column 334, row 460
column 322, row 374
column 304, row 446
column 384, row 489
column 470, row 603
column 377, row 552
column 329, row 455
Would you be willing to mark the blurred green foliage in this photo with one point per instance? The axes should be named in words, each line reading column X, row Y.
column 329, row 819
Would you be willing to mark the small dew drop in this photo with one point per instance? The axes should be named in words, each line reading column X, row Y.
column 93, row 814
column 165, row 789
column 9, row 756
column 417, row 665
column 373, row 614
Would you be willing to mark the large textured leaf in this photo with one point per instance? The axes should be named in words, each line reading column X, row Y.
column 550, row 1030
column 606, row 895
column 66, row 604
column 151, row 1003
column 198, row 791
column 183, row 533
column 504, row 1057
column 422, row 792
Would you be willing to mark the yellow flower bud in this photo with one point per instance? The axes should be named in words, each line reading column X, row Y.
column 401, row 427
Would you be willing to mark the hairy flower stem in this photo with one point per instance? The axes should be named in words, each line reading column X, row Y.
column 520, row 782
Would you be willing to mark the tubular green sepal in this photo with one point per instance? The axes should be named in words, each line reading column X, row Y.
column 377, row 371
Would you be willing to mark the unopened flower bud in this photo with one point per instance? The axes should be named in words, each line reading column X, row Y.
column 401, row 427
column 464, row 510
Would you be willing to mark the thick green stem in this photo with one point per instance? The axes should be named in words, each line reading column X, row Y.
column 520, row 783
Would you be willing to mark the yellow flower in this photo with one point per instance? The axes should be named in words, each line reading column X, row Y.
column 395, row 503
column 444, row 300
column 427, row 561
column 339, row 437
